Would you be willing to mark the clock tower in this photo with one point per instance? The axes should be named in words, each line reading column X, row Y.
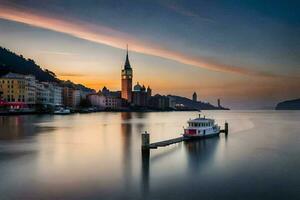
column 126, row 78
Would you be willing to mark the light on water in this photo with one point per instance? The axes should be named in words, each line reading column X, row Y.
column 98, row 156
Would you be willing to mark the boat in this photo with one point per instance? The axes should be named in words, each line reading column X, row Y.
column 201, row 127
column 62, row 111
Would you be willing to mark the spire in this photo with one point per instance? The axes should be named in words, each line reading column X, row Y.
column 127, row 63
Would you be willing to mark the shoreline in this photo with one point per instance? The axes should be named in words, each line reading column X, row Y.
column 111, row 111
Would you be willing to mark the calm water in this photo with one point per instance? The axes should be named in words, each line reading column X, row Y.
column 98, row 156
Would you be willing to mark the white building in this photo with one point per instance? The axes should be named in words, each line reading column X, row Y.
column 76, row 98
column 53, row 94
column 30, row 87
column 42, row 93
column 57, row 96
column 102, row 101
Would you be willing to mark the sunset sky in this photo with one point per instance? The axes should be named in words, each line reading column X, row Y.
column 247, row 53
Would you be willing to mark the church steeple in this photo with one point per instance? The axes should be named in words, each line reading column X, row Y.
column 127, row 63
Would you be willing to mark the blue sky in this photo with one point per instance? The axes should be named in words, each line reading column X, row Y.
column 244, row 52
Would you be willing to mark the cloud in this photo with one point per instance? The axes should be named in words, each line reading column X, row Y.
column 58, row 53
column 70, row 74
column 182, row 10
column 111, row 37
column 186, row 12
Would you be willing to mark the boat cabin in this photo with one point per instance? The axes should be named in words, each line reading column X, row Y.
column 201, row 122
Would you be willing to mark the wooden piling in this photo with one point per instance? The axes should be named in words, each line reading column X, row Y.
column 226, row 128
column 145, row 140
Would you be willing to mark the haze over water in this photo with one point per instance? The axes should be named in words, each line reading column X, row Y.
column 98, row 156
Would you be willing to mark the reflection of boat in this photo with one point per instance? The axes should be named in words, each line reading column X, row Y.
column 201, row 127
column 62, row 111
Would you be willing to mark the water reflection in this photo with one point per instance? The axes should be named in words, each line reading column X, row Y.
column 145, row 172
column 126, row 134
column 98, row 156
column 200, row 153
column 18, row 127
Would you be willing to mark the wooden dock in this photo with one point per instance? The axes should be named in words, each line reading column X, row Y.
column 164, row 143
column 147, row 145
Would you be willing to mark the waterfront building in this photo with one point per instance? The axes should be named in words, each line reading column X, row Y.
column 126, row 81
column 68, row 96
column 84, row 94
column 51, row 94
column 57, row 95
column 76, row 98
column 43, row 94
column 172, row 102
column 96, row 100
column 30, row 95
column 105, row 101
column 140, row 95
column 112, row 102
column 194, row 96
column 159, row 102
column 18, row 90
column 219, row 103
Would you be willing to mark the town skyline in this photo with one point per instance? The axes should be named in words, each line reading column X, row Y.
column 90, row 50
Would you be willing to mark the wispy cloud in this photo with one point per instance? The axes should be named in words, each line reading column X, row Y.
column 60, row 53
column 108, row 36
column 182, row 10
column 68, row 74
column 186, row 12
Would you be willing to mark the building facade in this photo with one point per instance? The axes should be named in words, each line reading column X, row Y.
column 57, row 95
column 18, row 90
column 104, row 101
column 71, row 97
column 159, row 102
column 76, row 98
column 42, row 94
column 126, row 81
column 141, row 95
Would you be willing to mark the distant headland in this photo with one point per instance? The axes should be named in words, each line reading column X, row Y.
column 289, row 105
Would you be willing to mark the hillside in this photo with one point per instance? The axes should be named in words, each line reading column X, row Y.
column 195, row 104
column 289, row 105
column 11, row 62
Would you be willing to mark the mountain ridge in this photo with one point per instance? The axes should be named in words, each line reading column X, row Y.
column 12, row 62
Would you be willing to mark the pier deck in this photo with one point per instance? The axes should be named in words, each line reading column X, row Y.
column 147, row 145
column 155, row 145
